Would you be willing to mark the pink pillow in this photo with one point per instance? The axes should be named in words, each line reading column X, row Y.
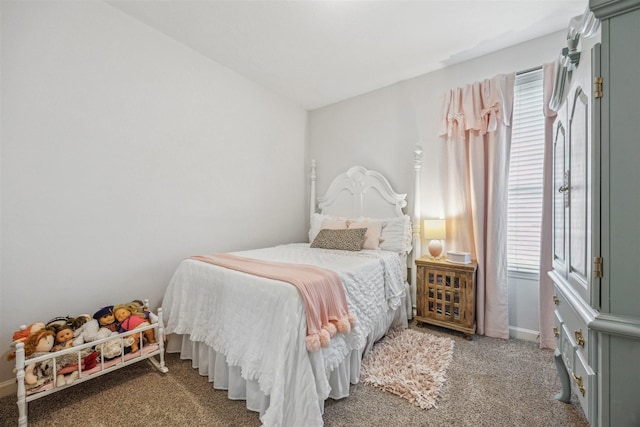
column 334, row 224
column 372, row 236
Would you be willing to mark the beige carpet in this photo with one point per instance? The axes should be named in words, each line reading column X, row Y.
column 410, row 364
column 490, row 382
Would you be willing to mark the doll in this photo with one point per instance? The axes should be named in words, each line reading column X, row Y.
column 59, row 321
column 24, row 332
column 149, row 315
column 130, row 316
column 37, row 344
column 106, row 319
column 64, row 337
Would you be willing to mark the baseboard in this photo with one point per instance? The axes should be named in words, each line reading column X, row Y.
column 8, row 387
column 524, row 334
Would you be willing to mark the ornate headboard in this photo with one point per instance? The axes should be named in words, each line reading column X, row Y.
column 360, row 192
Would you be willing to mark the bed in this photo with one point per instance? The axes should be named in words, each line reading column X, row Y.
column 248, row 334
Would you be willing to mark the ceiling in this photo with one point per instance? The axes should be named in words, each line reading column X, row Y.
column 316, row 52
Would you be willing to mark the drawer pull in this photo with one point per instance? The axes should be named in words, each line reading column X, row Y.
column 578, row 381
column 556, row 300
column 555, row 332
column 579, row 337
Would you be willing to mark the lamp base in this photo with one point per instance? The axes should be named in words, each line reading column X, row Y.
column 435, row 248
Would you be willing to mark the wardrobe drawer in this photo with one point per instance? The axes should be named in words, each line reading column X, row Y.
column 583, row 383
column 557, row 328
column 575, row 325
column 568, row 348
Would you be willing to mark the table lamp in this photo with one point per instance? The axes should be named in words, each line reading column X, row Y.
column 436, row 231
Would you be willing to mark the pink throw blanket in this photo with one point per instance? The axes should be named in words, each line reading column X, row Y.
column 324, row 299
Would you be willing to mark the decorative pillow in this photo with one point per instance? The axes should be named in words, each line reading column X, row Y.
column 396, row 234
column 347, row 240
column 317, row 223
column 334, row 224
column 372, row 236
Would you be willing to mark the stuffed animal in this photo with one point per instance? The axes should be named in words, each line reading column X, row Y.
column 37, row 344
column 131, row 317
column 23, row 333
column 115, row 347
column 91, row 331
column 64, row 337
column 36, row 374
column 106, row 319
column 69, row 371
column 151, row 316
column 59, row 321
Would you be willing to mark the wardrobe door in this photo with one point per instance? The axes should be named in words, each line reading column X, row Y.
column 579, row 263
column 561, row 192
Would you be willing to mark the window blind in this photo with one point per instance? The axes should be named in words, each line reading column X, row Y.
column 524, row 210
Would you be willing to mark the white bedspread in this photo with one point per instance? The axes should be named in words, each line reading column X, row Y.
column 259, row 324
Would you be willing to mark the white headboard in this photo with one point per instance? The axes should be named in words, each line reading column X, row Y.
column 362, row 192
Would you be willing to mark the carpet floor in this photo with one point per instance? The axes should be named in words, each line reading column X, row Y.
column 489, row 382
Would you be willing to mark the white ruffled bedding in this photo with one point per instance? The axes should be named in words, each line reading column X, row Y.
column 259, row 326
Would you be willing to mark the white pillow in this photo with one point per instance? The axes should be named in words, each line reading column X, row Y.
column 372, row 236
column 396, row 234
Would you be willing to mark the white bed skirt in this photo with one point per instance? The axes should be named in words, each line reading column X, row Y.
column 213, row 365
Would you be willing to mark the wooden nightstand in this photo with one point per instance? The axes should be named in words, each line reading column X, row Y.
column 446, row 294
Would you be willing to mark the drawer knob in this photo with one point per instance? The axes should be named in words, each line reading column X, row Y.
column 556, row 300
column 555, row 332
column 579, row 337
column 578, row 381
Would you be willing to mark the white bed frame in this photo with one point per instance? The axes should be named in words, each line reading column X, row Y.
column 146, row 352
column 362, row 192
column 357, row 192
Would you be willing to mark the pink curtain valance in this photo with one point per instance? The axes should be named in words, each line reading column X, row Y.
column 479, row 106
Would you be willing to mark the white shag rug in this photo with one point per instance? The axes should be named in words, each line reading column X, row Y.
column 409, row 363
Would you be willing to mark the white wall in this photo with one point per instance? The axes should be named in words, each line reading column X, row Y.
column 123, row 152
column 380, row 129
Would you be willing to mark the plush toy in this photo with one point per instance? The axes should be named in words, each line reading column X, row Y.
column 106, row 319
column 131, row 317
column 23, row 333
column 59, row 321
column 37, row 344
column 150, row 316
column 64, row 338
column 69, row 371
column 36, row 374
column 91, row 331
column 115, row 347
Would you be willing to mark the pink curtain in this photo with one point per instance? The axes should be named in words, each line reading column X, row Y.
column 546, row 306
column 475, row 128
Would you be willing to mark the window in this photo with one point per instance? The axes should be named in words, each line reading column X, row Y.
column 524, row 210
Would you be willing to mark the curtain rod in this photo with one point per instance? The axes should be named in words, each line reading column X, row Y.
column 539, row 67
